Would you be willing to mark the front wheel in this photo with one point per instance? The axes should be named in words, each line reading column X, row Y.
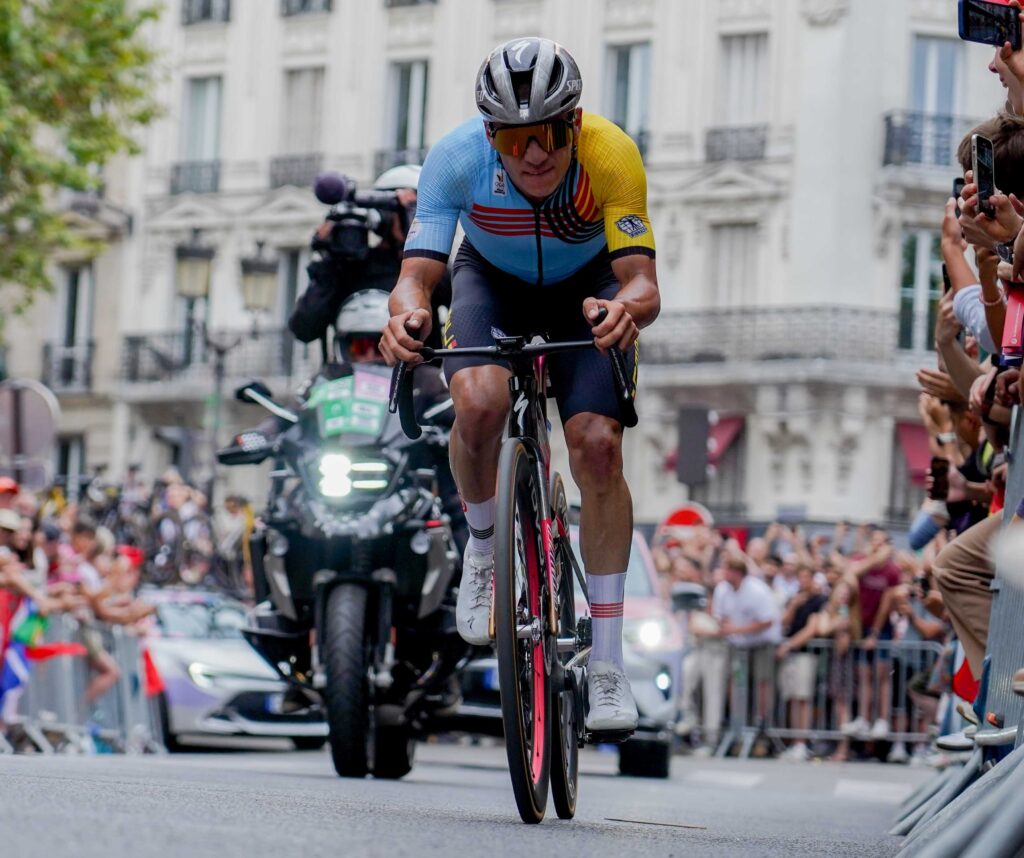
column 519, row 630
column 346, row 660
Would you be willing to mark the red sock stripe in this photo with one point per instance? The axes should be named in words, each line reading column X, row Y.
column 606, row 610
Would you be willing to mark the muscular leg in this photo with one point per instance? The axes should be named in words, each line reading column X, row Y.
column 606, row 507
column 480, row 394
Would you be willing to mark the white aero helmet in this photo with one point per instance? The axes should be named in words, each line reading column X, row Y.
column 402, row 176
column 364, row 313
column 527, row 80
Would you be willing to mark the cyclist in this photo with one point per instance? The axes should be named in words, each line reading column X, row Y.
column 553, row 204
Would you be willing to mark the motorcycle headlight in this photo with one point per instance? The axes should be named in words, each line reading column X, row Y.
column 646, row 634
column 340, row 476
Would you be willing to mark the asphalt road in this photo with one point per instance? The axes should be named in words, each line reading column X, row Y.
column 456, row 802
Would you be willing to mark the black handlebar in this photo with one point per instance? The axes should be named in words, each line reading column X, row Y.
column 400, row 396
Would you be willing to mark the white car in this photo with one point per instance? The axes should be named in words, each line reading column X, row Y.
column 652, row 651
column 214, row 683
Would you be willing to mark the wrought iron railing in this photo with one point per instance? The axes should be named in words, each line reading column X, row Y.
column 385, row 159
column 304, row 7
column 392, row 3
column 771, row 334
column 198, row 177
column 925, row 139
column 185, row 357
column 736, row 143
column 200, row 11
column 297, row 170
column 68, row 368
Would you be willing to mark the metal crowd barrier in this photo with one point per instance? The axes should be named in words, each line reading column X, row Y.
column 832, row 696
column 51, row 715
column 975, row 809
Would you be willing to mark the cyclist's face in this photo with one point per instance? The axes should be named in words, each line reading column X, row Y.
column 536, row 173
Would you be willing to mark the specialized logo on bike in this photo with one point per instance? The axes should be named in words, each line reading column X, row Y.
column 631, row 225
column 520, row 410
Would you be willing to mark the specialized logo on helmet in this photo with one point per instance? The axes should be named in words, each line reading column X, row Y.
column 631, row 225
column 574, row 85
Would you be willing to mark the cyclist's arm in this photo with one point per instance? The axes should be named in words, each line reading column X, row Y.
column 639, row 292
column 410, row 304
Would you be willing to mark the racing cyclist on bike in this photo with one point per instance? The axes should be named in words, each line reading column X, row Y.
column 553, row 203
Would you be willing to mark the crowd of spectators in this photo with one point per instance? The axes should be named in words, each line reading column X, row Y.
column 816, row 617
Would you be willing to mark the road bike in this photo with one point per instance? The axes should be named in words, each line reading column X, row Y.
column 542, row 649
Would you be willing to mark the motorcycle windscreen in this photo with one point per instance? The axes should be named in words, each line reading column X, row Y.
column 353, row 408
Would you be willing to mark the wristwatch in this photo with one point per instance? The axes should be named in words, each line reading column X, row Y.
column 1004, row 251
column 945, row 437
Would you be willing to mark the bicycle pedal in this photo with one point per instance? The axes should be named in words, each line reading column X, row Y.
column 608, row 737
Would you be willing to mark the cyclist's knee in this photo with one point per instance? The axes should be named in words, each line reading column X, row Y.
column 595, row 448
column 480, row 395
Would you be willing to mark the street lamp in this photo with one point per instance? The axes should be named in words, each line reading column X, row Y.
column 259, row 284
column 192, row 282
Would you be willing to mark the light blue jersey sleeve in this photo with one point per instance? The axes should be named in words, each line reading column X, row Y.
column 446, row 190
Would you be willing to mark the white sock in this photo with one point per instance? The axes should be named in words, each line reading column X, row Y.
column 480, row 518
column 606, row 594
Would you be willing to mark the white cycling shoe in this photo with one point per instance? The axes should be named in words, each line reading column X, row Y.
column 473, row 608
column 611, row 705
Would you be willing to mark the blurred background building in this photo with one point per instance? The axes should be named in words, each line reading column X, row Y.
column 797, row 151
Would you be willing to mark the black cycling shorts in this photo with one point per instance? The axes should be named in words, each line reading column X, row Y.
column 485, row 297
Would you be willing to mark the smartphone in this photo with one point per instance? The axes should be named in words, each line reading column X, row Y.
column 984, row 163
column 958, row 188
column 989, row 23
column 947, row 284
column 939, row 470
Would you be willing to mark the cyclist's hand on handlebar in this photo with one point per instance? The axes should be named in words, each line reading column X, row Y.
column 403, row 337
column 617, row 329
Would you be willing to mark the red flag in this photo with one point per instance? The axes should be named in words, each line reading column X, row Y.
column 153, row 681
column 965, row 685
column 44, row 651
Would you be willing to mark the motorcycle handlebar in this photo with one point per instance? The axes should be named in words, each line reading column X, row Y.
column 400, row 398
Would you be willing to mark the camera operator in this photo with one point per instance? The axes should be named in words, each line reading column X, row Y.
column 340, row 271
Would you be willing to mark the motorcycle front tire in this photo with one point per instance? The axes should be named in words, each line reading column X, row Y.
column 346, row 659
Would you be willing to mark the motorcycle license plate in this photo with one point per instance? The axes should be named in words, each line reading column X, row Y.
column 274, row 704
column 491, row 679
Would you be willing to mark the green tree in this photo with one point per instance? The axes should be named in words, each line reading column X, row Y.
column 76, row 80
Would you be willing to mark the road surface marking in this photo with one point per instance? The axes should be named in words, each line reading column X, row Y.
column 881, row 791
column 738, row 780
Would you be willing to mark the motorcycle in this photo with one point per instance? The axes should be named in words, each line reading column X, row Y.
column 354, row 562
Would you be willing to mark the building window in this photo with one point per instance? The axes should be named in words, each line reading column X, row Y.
column 733, row 265
column 198, row 11
column 628, row 89
column 904, row 495
column 304, row 7
column 202, row 119
column 409, row 105
column 743, row 80
column 303, row 108
column 723, row 493
column 76, row 301
column 920, row 289
column 70, row 463
column 933, row 128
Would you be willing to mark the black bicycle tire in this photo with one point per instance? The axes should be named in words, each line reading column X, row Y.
column 565, row 754
column 516, row 476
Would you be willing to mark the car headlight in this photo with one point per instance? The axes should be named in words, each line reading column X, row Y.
column 646, row 634
column 339, row 475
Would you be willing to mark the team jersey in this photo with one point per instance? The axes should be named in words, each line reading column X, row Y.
column 602, row 202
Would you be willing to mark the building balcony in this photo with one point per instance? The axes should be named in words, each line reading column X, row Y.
column 197, row 177
column 205, row 11
column 181, row 366
column 68, row 369
column 777, row 334
column 391, row 4
column 298, row 170
column 923, row 139
column 385, row 159
column 289, row 8
column 736, row 143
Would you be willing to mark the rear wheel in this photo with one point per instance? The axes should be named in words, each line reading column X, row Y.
column 565, row 753
column 518, row 601
column 346, row 660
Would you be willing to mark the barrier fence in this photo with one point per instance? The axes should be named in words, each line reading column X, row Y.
column 808, row 695
column 51, row 715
